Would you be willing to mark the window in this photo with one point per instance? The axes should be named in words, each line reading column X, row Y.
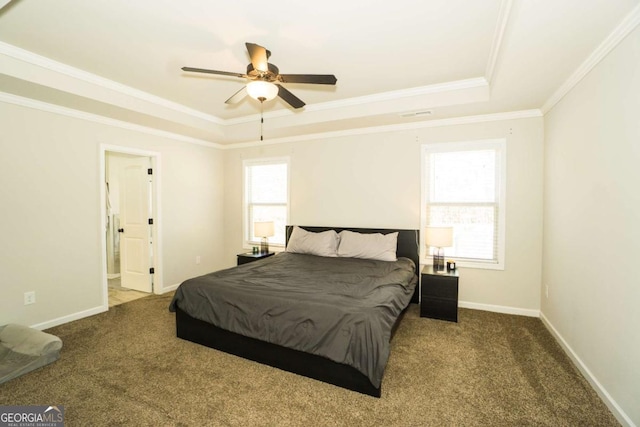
column 464, row 188
column 266, row 198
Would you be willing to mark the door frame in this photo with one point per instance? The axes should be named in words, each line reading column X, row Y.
column 158, row 286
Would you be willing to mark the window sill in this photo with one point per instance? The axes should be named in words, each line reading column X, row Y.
column 272, row 246
column 469, row 264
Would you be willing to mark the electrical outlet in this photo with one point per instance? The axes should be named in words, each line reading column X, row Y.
column 29, row 298
column 198, row 259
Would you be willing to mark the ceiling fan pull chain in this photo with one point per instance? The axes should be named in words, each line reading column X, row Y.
column 261, row 118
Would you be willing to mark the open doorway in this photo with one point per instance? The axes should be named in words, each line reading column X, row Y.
column 130, row 219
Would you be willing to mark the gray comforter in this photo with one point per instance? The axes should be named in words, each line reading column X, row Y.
column 339, row 308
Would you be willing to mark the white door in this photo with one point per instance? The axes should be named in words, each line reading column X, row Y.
column 135, row 230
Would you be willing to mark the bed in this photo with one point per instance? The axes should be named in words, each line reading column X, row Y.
column 287, row 311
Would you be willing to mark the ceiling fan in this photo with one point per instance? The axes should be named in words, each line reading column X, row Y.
column 265, row 79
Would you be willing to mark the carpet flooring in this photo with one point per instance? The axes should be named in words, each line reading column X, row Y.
column 126, row 367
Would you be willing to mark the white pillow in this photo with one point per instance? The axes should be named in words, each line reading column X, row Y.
column 324, row 243
column 370, row 246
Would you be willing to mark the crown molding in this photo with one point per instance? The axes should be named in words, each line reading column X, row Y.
column 498, row 39
column 368, row 99
column 69, row 112
column 59, row 67
column 628, row 24
column 454, row 121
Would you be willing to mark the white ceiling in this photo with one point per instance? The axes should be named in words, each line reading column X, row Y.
column 121, row 59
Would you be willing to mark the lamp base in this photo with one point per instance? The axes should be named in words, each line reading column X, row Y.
column 438, row 259
column 264, row 246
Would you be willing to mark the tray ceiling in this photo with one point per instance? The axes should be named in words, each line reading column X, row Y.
column 121, row 60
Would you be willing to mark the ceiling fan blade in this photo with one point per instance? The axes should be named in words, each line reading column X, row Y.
column 319, row 79
column 237, row 97
column 202, row 70
column 259, row 56
column 290, row 98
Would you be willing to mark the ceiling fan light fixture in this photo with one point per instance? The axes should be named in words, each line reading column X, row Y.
column 262, row 76
column 262, row 91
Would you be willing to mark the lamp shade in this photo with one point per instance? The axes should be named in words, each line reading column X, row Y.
column 260, row 89
column 439, row 237
column 263, row 229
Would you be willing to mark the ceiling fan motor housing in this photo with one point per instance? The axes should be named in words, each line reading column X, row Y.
column 271, row 75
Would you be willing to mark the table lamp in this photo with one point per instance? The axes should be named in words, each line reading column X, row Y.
column 263, row 229
column 439, row 238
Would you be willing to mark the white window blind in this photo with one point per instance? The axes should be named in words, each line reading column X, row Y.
column 463, row 188
column 266, row 197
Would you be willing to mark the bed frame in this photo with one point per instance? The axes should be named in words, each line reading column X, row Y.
column 306, row 364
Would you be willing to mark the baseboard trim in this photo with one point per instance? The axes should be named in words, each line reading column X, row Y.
column 499, row 309
column 613, row 406
column 170, row 288
column 70, row 318
column 86, row 313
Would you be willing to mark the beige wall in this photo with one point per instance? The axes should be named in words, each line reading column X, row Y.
column 50, row 234
column 374, row 181
column 591, row 214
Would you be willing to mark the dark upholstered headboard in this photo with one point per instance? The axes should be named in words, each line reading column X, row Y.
column 408, row 240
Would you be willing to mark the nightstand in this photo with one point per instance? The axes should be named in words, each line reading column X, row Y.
column 251, row 257
column 439, row 294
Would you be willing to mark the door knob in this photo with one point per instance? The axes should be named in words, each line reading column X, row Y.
column 120, row 230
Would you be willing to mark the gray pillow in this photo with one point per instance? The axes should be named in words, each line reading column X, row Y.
column 324, row 243
column 377, row 246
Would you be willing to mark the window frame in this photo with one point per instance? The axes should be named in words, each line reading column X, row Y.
column 501, row 188
column 247, row 243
